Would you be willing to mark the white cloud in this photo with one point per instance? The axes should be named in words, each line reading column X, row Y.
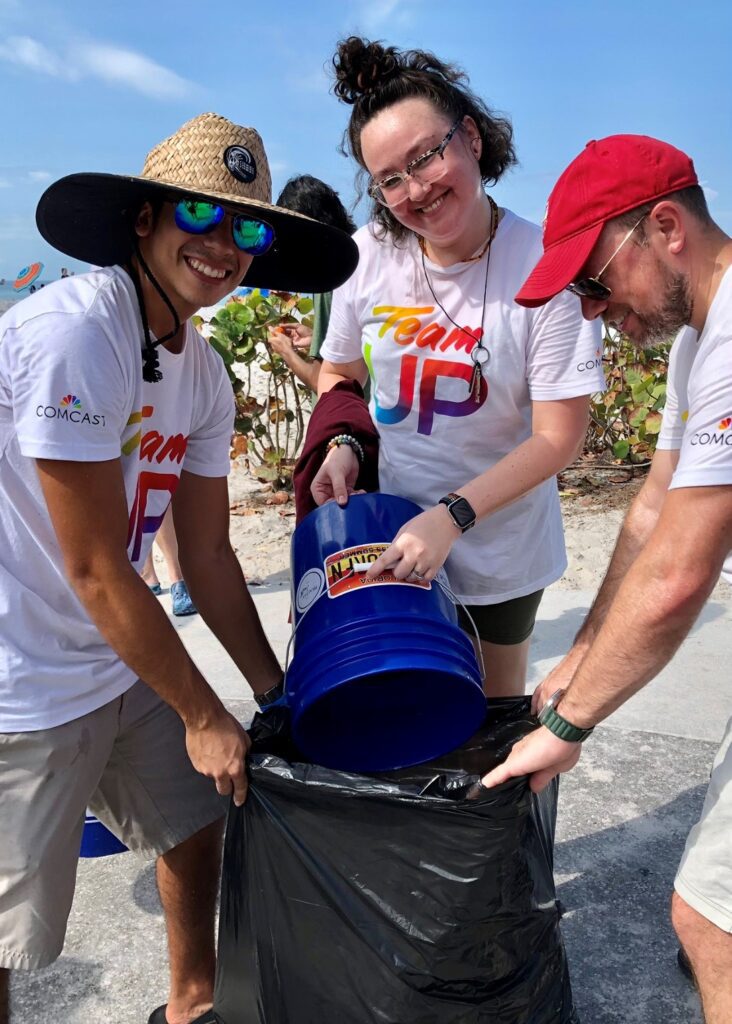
column 111, row 64
column 125, row 67
column 373, row 15
column 31, row 54
column 39, row 175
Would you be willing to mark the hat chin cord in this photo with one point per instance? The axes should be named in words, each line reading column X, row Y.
column 151, row 372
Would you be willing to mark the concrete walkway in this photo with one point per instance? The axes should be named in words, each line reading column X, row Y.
column 624, row 815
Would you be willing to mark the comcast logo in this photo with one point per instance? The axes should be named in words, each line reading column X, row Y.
column 70, row 402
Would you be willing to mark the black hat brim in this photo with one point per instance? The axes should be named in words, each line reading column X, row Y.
column 90, row 217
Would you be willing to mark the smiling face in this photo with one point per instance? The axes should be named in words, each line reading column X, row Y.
column 193, row 270
column 451, row 211
column 649, row 302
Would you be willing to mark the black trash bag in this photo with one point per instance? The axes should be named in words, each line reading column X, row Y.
column 413, row 897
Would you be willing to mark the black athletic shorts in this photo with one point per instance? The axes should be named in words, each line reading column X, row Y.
column 510, row 622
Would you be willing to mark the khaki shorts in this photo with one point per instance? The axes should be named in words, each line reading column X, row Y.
column 127, row 762
column 704, row 879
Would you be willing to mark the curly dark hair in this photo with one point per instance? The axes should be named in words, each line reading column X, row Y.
column 311, row 196
column 370, row 76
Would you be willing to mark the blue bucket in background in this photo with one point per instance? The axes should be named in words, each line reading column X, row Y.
column 97, row 840
column 382, row 675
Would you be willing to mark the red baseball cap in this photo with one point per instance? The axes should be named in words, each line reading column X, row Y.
column 609, row 177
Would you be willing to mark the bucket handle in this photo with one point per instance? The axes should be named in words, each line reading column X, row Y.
column 363, row 567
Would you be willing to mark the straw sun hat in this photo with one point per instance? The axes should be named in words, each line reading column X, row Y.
column 91, row 216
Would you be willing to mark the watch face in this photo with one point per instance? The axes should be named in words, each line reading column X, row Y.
column 462, row 513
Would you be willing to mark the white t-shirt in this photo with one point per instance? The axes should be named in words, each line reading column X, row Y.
column 434, row 436
column 697, row 419
column 71, row 388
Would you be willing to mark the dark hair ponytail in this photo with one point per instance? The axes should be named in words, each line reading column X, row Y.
column 371, row 77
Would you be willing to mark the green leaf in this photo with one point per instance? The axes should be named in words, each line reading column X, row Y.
column 638, row 415
column 621, row 449
column 653, row 422
column 268, row 473
column 304, row 305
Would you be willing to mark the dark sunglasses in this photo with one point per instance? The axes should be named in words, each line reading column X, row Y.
column 592, row 287
column 196, row 217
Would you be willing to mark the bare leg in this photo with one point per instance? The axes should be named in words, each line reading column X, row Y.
column 168, row 544
column 148, row 570
column 505, row 668
column 710, row 951
column 188, row 881
column 4, row 996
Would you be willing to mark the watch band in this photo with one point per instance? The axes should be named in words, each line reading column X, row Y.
column 559, row 725
column 461, row 511
column 270, row 696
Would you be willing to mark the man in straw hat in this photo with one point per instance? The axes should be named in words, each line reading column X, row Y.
column 629, row 232
column 111, row 405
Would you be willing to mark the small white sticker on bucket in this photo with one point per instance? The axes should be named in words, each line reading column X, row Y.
column 309, row 589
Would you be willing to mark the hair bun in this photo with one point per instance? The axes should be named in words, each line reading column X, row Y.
column 361, row 67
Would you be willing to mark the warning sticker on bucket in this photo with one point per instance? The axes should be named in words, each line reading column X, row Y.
column 346, row 571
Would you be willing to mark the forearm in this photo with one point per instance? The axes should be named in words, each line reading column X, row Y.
column 133, row 623
column 520, row 471
column 306, row 371
column 219, row 590
column 655, row 607
column 637, row 527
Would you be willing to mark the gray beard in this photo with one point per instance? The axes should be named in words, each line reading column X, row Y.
column 661, row 326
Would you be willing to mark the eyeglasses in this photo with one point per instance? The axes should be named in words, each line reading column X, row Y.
column 426, row 169
column 592, row 287
column 196, row 217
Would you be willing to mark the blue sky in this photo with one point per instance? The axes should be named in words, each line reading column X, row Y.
column 93, row 86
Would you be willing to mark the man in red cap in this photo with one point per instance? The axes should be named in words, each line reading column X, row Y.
column 628, row 231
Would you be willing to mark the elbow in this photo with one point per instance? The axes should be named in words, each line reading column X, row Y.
column 682, row 593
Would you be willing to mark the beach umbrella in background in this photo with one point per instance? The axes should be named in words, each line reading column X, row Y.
column 27, row 276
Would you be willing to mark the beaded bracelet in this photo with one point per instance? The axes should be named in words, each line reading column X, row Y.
column 341, row 439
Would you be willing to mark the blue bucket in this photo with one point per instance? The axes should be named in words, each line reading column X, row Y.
column 382, row 676
column 97, row 840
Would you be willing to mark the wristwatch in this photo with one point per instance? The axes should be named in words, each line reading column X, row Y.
column 551, row 718
column 270, row 696
column 461, row 511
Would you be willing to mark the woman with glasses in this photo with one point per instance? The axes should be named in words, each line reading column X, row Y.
column 478, row 402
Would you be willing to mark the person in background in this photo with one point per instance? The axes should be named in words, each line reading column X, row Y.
column 311, row 196
column 478, row 403
column 629, row 232
column 111, row 405
column 181, row 603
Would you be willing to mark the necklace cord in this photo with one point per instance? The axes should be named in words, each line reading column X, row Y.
column 475, row 382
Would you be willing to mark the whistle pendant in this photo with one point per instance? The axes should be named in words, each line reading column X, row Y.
column 475, row 382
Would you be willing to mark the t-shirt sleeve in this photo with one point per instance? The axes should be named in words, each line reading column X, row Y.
column 207, row 450
column 343, row 338
column 70, row 388
column 672, row 429
column 564, row 354
column 705, row 459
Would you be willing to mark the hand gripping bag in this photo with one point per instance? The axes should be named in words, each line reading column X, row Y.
column 414, row 897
